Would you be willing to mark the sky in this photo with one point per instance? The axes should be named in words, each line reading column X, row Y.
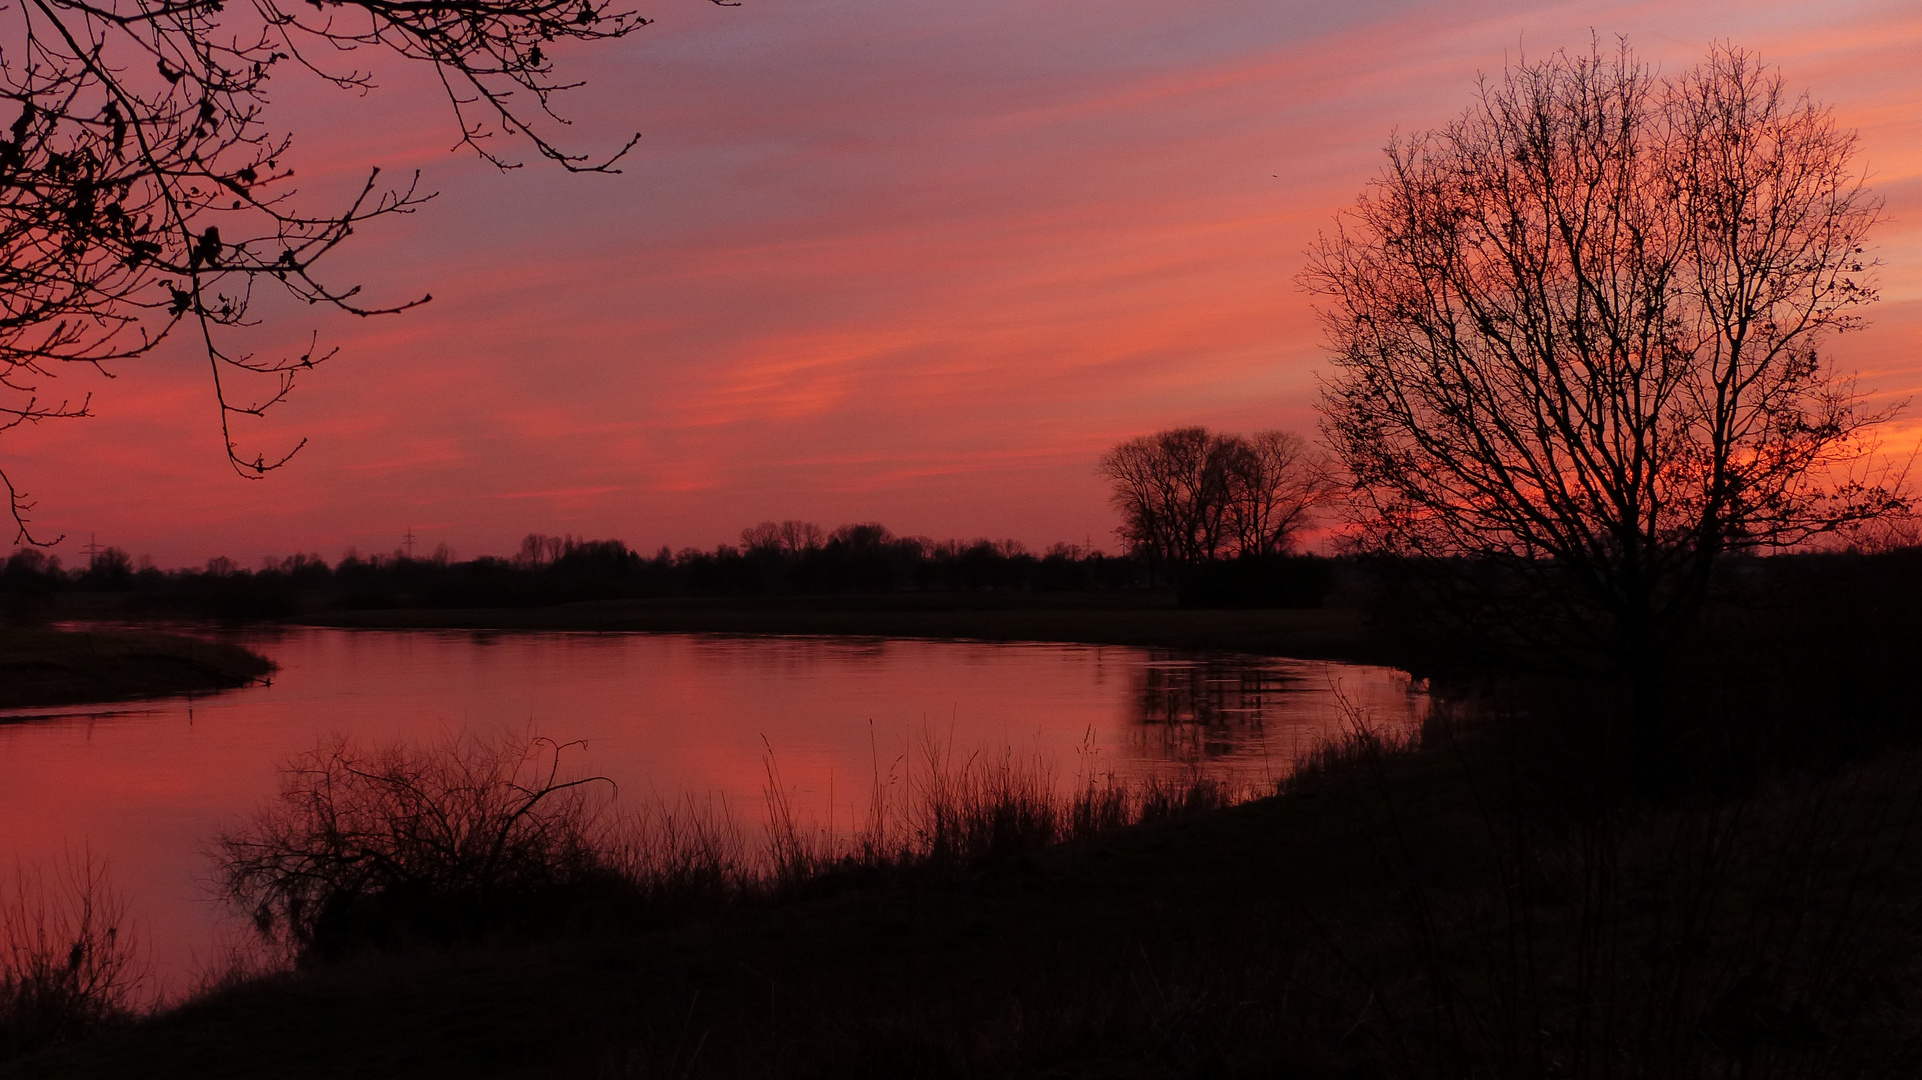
column 872, row 260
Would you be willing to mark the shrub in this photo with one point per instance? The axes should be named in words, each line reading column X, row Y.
column 421, row 843
column 69, row 961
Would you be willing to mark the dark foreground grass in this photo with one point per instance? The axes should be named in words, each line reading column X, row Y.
column 70, row 962
column 52, row 667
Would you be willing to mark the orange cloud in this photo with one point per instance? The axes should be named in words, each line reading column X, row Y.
column 913, row 263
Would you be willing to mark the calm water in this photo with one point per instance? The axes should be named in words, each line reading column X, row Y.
column 664, row 715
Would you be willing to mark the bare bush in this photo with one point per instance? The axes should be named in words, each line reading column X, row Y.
column 418, row 842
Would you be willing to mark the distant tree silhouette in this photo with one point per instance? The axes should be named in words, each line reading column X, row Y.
column 1580, row 343
column 539, row 549
column 864, row 537
column 1189, row 495
column 142, row 192
column 1172, row 491
column 789, row 537
column 561, row 569
column 1275, row 481
column 27, row 579
column 108, row 568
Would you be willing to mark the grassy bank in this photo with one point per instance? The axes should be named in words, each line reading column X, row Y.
column 1463, row 908
column 1132, row 617
column 52, row 667
column 935, row 972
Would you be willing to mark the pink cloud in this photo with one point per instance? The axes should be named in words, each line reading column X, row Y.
column 910, row 262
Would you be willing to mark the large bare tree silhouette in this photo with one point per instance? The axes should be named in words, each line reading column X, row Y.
column 1581, row 334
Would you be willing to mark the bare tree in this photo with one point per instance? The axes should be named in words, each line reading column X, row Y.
column 1582, row 333
column 143, row 194
column 1172, row 491
column 1275, row 481
column 788, row 537
column 1190, row 495
column 539, row 549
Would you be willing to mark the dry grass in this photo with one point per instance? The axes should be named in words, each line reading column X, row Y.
column 407, row 845
column 70, row 963
column 941, row 816
column 403, row 843
column 1461, row 902
column 1419, row 914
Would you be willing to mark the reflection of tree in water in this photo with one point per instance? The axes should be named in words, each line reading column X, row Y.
column 1195, row 709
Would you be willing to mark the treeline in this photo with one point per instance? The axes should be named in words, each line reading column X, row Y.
column 772, row 558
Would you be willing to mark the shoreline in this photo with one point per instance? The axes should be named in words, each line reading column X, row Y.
column 1325, row 633
column 55, row 668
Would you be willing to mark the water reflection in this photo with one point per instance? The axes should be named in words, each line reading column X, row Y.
column 1215, row 710
column 1219, row 692
column 145, row 786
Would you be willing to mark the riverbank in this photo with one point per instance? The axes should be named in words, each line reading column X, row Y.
column 1532, row 891
column 864, row 982
column 1134, row 617
column 40, row 668
column 1387, row 913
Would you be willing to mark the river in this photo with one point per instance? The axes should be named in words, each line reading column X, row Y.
column 144, row 787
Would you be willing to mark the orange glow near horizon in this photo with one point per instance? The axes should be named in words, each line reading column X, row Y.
column 909, row 262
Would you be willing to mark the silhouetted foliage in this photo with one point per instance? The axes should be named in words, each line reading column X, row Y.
column 69, row 958
column 417, row 844
column 1258, row 581
column 1580, row 347
column 142, row 190
column 1189, row 496
column 860, row 558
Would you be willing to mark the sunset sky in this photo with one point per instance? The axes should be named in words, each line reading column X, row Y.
column 890, row 260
